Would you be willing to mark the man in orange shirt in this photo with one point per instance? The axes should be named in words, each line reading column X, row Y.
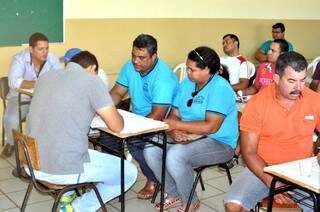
column 276, row 127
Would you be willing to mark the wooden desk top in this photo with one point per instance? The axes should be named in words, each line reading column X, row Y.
column 133, row 125
column 291, row 172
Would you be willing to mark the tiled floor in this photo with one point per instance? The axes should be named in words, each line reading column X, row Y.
column 12, row 191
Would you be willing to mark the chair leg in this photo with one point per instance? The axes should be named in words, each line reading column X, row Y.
column 193, row 190
column 26, row 197
column 201, row 183
column 228, row 173
column 3, row 136
column 154, row 196
column 103, row 207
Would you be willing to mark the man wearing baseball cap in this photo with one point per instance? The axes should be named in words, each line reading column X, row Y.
column 73, row 52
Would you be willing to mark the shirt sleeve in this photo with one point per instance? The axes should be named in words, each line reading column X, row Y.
column 99, row 97
column 123, row 79
column 251, row 119
column 16, row 72
column 220, row 100
column 244, row 70
column 163, row 91
column 265, row 47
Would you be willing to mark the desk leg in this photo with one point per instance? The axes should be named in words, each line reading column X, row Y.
column 316, row 201
column 17, row 172
column 122, row 196
column 163, row 172
column 271, row 194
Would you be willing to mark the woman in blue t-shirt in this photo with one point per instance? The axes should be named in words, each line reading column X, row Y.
column 203, row 127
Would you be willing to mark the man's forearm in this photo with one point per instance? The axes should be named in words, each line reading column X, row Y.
column 256, row 164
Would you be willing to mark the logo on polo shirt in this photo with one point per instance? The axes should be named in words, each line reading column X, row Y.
column 309, row 117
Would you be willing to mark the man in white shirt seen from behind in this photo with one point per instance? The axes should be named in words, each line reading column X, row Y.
column 235, row 62
column 25, row 68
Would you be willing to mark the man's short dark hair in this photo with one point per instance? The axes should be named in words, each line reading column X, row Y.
column 85, row 59
column 279, row 25
column 146, row 41
column 283, row 45
column 233, row 37
column 35, row 37
column 293, row 59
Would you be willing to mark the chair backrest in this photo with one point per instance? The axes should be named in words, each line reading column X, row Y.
column 181, row 71
column 311, row 68
column 28, row 150
column 4, row 89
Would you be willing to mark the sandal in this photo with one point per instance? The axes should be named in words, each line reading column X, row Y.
column 147, row 191
column 169, row 203
column 193, row 207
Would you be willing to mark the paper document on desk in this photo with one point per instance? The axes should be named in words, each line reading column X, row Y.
column 132, row 123
column 293, row 170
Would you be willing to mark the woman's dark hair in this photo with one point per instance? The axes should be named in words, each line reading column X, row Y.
column 206, row 57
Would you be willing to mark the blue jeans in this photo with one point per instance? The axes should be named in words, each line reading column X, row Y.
column 136, row 146
column 11, row 117
column 181, row 159
column 102, row 168
column 247, row 190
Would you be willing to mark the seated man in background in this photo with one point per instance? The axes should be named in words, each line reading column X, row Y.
column 278, row 30
column 266, row 70
column 74, row 51
column 314, row 85
column 276, row 127
column 62, row 108
column 151, row 85
column 26, row 67
column 236, row 63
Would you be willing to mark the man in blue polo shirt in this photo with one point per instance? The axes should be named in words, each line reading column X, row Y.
column 278, row 30
column 151, row 85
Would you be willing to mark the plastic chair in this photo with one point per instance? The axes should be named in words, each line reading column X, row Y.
column 181, row 71
column 4, row 90
column 29, row 156
column 311, row 68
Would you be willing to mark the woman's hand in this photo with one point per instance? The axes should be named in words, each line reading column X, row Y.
column 178, row 136
column 172, row 123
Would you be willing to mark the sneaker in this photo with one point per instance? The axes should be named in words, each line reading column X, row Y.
column 65, row 203
column 7, row 151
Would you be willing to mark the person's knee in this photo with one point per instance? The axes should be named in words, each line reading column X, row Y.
column 233, row 207
column 151, row 156
column 10, row 121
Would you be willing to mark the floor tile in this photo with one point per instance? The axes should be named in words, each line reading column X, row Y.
column 35, row 196
column 40, row 207
column 12, row 185
column 5, row 203
column 5, row 173
column 136, row 205
column 215, row 202
column 4, row 164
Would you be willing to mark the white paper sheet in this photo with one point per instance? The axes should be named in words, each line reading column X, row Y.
column 132, row 123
